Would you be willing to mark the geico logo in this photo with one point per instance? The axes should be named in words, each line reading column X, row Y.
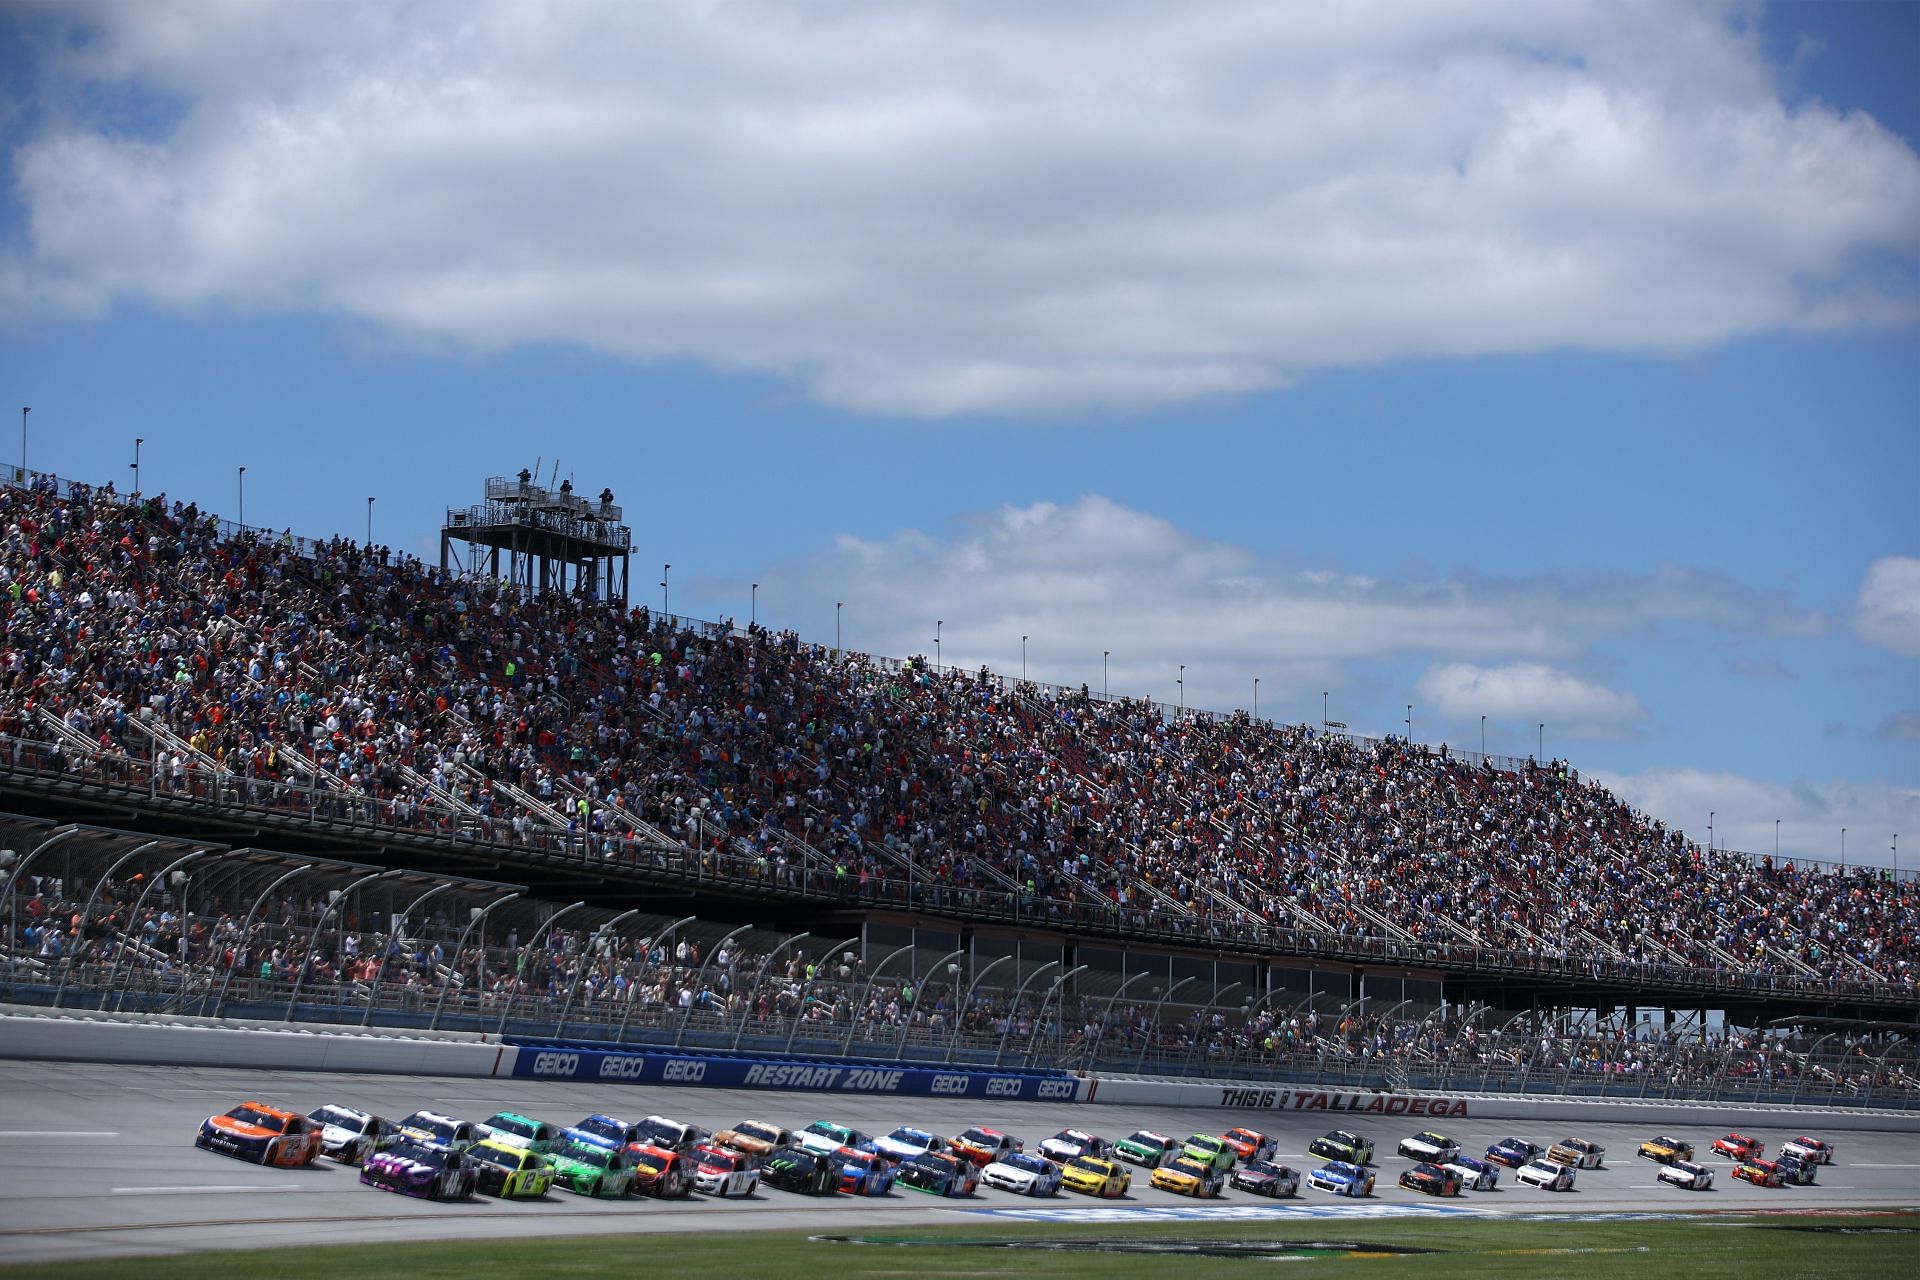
column 1054, row 1090
column 622, row 1068
column 684, row 1070
column 556, row 1064
column 948, row 1084
column 1003, row 1087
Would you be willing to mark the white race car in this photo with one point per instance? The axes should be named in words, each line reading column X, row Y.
column 1577, row 1152
column 1682, row 1173
column 1812, row 1150
column 722, row 1172
column 349, row 1135
column 1023, row 1174
column 906, row 1142
column 1430, row 1148
column 1068, row 1143
column 1475, row 1175
column 1546, row 1175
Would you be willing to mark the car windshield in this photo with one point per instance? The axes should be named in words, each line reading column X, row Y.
column 595, row 1156
column 257, row 1118
column 980, row 1137
column 1341, row 1135
column 1432, row 1140
column 1087, row 1164
column 803, row 1161
column 514, row 1125
column 441, row 1129
column 711, row 1159
column 432, row 1157
column 1684, row 1167
column 1187, row 1164
column 1468, row 1162
column 759, row 1132
column 604, row 1127
column 339, row 1117
column 1030, row 1164
column 667, row 1133
column 1071, row 1138
column 1147, row 1138
column 496, row 1157
column 912, row 1138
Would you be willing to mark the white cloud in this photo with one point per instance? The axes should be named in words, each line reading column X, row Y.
column 1525, row 690
column 1888, row 611
column 1811, row 814
column 931, row 210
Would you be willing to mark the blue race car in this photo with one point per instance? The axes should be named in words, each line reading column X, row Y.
column 1512, row 1152
column 1342, row 1179
column 863, row 1173
column 907, row 1142
column 604, row 1131
column 1475, row 1175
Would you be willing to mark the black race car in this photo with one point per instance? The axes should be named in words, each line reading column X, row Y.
column 1266, row 1178
column 793, row 1169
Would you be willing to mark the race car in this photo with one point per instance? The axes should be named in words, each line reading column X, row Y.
column 1429, row 1147
column 517, row 1130
column 1546, row 1175
column 1807, row 1148
column 1249, row 1144
column 723, row 1172
column 804, row 1172
column 510, row 1172
column 1146, row 1148
column 1068, row 1143
column 864, row 1173
column 263, row 1134
column 1795, row 1170
column 1665, row 1150
column 610, row 1132
column 1738, row 1146
column 1266, row 1178
column 1475, row 1175
column 1432, row 1180
column 1761, row 1173
column 1208, row 1149
column 981, row 1147
column 1023, row 1174
column 823, row 1138
column 418, row 1169
column 906, row 1142
column 1577, row 1152
column 660, row 1173
column 587, row 1169
column 1512, row 1152
column 935, row 1174
column 1341, row 1146
column 350, row 1135
column 1342, row 1178
column 1092, row 1176
column 1186, row 1176
column 435, row 1130
column 1685, row 1174
column 755, row 1138
column 658, row 1131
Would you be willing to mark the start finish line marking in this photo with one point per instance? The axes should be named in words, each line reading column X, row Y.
column 1224, row 1212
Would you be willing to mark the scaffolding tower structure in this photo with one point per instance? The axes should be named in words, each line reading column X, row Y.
column 541, row 539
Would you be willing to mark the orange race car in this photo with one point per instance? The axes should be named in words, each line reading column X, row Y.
column 1249, row 1144
column 263, row 1134
column 1738, row 1146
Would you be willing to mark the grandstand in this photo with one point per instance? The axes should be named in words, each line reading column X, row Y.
column 1062, row 876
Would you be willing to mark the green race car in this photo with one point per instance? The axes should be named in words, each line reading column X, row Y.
column 510, row 1172
column 1342, row 1145
column 517, row 1130
column 593, row 1171
column 1210, row 1151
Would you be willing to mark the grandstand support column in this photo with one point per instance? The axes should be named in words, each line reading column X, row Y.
column 866, row 997
column 86, row 913
column 620, row 1035
column 760, row 976
column 478, row 921
column 966, row 1002
column 313, row 935
column 1213, row 1002
column 246, row 927
column 586, row 960
column 1106, row 1017
column 12, row 918
column 1040, row 1021
column 700, row 980
column 1153, row 1028
column 140, row 903
column 1013, row 1009
column 906, row 1023
column 386, row 949
column 533, row 943
column 806, row 988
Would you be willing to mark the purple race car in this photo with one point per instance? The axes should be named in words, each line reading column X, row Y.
column 417, row 1169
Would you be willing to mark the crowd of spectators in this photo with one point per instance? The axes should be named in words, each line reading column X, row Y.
column 143, row 632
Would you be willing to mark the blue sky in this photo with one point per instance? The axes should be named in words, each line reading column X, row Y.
column 1551, row 367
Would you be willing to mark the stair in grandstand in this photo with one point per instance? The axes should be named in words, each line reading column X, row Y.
column 150, row 726
column 1378, row 921
column 303, row 764
column 69, row 737
column 435, row 793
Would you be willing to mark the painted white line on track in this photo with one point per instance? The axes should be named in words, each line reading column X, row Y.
column 1884, row 1166
column 62, row 1133
column 182, row 1191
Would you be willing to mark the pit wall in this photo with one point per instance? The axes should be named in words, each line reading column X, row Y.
column 194, row 1042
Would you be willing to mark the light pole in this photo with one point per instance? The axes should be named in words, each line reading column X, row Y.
column 838, row 605
column 1843, row 851
column 240, row 515
column 753, row 606
column 1776, row 839
column 137, row 442
column 1709, row 831
column 369, row 524
column 663, row 589
column 937, row 624
column 25, row 409
column 1323, row 708
column 1409, row 724
column 1023, row 659
column 1483, row 738
column 1104, row 655
column 1542, row 748
column 1256, row 697
column 1896, row 857
column 1182, row 682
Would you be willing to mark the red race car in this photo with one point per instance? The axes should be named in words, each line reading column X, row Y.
column 1738, row 1146
column 1761, row 1173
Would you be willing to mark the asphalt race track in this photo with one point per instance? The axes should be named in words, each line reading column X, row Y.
column 97, row 1161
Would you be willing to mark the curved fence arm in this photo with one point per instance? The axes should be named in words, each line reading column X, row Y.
column 86, row 912
column 478, row 918
column 506, row 1006
column 313, row 936
column 386, row 948
column 760, row 976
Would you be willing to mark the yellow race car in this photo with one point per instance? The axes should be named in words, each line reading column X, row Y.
column 1665, row 1150
column 1092, row 1176
column 1189, row 1177
column 510, row 1172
